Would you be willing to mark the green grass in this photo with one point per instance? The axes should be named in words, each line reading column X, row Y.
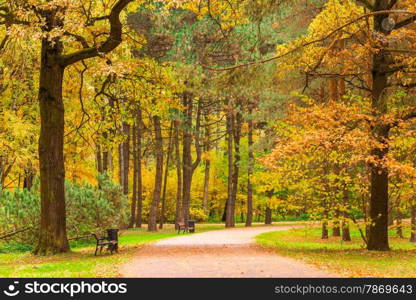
column 81, row 262
column 348, row 259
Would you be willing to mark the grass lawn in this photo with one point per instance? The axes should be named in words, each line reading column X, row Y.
column 81, row 262
column 349, row 259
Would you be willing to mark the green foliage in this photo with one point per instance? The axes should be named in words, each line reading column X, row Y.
column 89, row 209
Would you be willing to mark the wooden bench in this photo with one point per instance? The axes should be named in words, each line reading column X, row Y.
column 182, row 227
column 103, row 241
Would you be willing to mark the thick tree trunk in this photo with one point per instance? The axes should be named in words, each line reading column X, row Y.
column 229, row 213
column 165, row 179
column 378, row 232
column 52, row 231
column 152, row 223
column 250, row 172
column 139, row 168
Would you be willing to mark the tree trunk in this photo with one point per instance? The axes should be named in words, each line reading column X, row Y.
column 139, row 168
column 28, row 179
column 250, row 171
column 99, row 160
column 229, row 213
column 165, row 179
column 237, row 123
column 399, row 225
column 378, row 232
column 336, row 230
column 134, row 196
column 126, row 158
column 207, row 163
column 346, row 237
column 52, row 231
column 121, row 166
column 413, row 222
column 206, row 186
column 179, row 176
column 105, row 157
column 187, row 157
column 152, row 223
column 268, row 218
column 325, row 223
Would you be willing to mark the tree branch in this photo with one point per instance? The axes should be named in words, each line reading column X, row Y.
column 114, row 39
column 371, row 14
column 405, row 22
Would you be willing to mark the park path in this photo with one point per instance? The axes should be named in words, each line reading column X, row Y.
column 219, row 253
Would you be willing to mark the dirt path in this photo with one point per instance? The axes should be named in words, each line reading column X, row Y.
column 219, row 253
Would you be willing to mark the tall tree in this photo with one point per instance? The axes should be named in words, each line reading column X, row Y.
column 54, row 61
column 152, row 222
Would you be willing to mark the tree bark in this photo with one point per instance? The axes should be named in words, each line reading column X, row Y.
column 207, row 163
column 399, row 225
column 250, row 171
column 237, row 123
column 187, row 157
column 178, row 209
column 99, row 160
column 378, row 231
column 28, row 179
column 139, row 168
column 52, row 231
column 413, row 222
column 165, row 179
column 268, row 217
column 336, row 230
column 325, row 234
column 229, row 213
column 134, row 195
column 126, row 158
column 152, row 223
column 206, row 186
column 189, row 166
column 346, row 237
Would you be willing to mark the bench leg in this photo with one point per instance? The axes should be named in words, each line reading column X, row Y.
column 96, row 249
